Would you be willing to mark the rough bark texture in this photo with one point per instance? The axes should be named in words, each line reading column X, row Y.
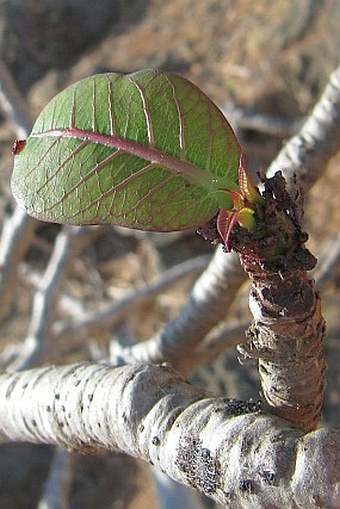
column 225, row 448
column 287, row 334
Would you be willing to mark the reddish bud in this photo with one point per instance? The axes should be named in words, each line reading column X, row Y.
column 18, row 146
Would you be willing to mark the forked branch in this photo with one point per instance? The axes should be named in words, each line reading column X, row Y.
column 227, row 449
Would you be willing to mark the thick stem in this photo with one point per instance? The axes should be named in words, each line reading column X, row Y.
column 287, row 334
column 227, row 449
column 286, row 337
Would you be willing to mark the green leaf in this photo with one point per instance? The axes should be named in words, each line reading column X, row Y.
column 149, row 151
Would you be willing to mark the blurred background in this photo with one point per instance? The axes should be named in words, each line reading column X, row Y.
column 271, row 58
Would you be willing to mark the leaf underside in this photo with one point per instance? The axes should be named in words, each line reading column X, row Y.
column 149, row 151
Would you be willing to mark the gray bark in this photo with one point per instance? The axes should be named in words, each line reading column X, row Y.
column 227, row 449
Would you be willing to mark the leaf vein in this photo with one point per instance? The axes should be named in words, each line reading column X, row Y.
column 94, row 106
column 180, row 118
column 73, row 109
column 110, row 99
column 113, row 189
column 190, row 172
column 146, row 111
column 61, row 165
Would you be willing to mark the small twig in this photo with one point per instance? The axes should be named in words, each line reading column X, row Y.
column 171, row 494
column 112, row 313
column 207, row 305
column 329, row 264
column 216, row 343
column 19, row 228
column 266, row 124
column 308, row 153
column 38, row 343
column 13, row 104
column 16, row 237
column 56, row 491
column 68, row 305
